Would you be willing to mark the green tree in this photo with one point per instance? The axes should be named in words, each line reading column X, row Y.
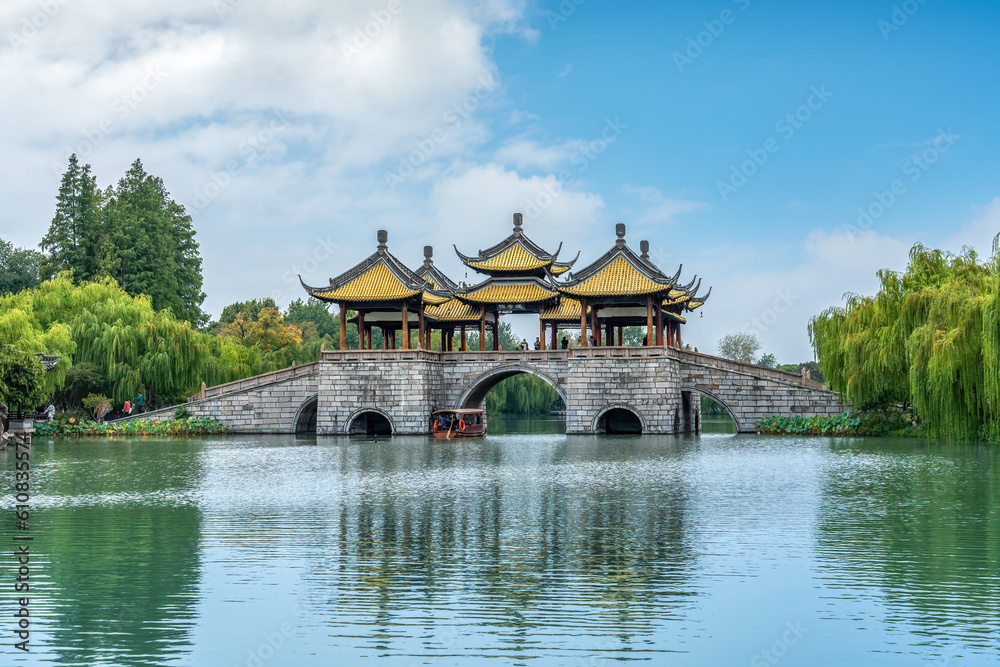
column 19, row 268
column 149, row 247
column 768, row 360
column 22, row 384
column 74, row 236
column 738, row 346
column 929, row 338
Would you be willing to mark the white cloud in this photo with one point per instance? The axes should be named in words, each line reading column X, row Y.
column 473, row 209
column 657, row 210
column 776, row 300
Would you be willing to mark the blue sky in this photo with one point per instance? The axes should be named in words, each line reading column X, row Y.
column 740, row 138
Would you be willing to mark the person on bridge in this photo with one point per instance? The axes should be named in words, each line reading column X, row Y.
column 127, row 408
column 538, row 344
column 565, row 343
column 138, row 404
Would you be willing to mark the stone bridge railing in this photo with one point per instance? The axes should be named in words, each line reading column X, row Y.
column 293, row 371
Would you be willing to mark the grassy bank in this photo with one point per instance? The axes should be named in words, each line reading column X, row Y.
column 889, row 423
column 132, row 428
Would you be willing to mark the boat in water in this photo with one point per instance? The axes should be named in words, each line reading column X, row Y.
column 461, row 423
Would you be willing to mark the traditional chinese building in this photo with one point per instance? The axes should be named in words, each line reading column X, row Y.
column 520, row 279
column 385, row 294
column 620, row 289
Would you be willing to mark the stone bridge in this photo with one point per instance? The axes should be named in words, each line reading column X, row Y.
column 605, row 389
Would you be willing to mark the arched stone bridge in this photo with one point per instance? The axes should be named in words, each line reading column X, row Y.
column 652, row 389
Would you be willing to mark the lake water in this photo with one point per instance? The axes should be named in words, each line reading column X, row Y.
column 537, row 549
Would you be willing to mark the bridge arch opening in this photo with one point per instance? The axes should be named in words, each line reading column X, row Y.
column 305, row 417
column 369, row 422
column 619, row 420
column 518, row 399
column 715, row 415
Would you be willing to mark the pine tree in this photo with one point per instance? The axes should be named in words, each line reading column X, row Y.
column 149, row 245
column 73, row 239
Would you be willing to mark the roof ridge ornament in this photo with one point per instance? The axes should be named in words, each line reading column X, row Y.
column 383, row 240
column 428, row 256
column 620, row 231
column 644, row 249
column 518, row 222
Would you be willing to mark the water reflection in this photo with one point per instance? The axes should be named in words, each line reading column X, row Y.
column 920, row 522
column 116, row 557
column 508, row 549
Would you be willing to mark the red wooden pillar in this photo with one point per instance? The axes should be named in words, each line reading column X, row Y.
column 482, row 329
column 649, row 320
column 541, row 337
column 659, row 322
column 583, row 322
column 463, row 338
column 406, row 327
column 361, row 330
column 343, row 326
column 496, row 334
column 555, row 335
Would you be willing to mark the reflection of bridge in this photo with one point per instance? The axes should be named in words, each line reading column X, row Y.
column 628, row 389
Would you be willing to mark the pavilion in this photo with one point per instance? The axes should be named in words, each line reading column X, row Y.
column 620, row 289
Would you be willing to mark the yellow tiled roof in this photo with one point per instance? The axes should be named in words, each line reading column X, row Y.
column 696, row 304
column 675, row 293
column 376, row 284
column 453, row 311
column 514, row 258
column 434, row 300
column 558, row 270
column 508, row 293
column 568, row 309
column 617, row 278
column 676, row 317
column 673, row 302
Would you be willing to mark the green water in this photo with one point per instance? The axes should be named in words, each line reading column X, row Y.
column 513, row 549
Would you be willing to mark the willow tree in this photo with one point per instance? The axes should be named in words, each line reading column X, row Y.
column 139, row 349
column 929, row 339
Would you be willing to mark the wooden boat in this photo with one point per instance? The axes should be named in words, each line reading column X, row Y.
column 462, row 423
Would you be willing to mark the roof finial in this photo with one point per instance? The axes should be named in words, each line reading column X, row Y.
column 383, row 239
column 518, row 221
column 620, row 231
column 428, row 254
column 644, row 248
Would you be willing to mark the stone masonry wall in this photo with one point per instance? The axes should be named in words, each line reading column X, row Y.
column 406, row 389
column 647, row 387
column 270, row 408
column 750, row 397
